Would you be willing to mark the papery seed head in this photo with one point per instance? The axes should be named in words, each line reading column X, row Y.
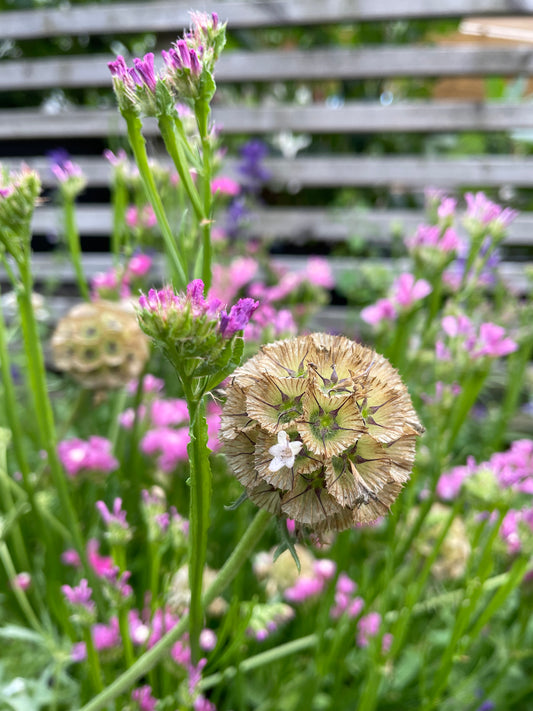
column 321, row 430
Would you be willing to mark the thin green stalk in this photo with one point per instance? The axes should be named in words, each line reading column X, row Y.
column 175, row 150
column 150, row 658
column 138, row 146
column 202, row 110
column 120, row 203
column 9, row 505
column 200, row 497
column 95, row 671
column 45, row 419
column 19, row 594
column 73, row 243
column 463, row 404
column 260, row 660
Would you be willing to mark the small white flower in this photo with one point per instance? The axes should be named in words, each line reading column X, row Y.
column 283, row 452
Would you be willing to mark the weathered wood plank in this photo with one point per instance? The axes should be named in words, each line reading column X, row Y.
column 166, row 16
column 49, row 266
column 355, row 117
column 403, row 172
column 300, row 225
column 301, row 65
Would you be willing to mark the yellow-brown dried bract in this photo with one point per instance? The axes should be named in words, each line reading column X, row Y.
column 100, row 344
column 320, row 429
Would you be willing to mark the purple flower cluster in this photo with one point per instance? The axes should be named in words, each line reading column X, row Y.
column 483, row 213
column 345, row 600
column 512, row 471
column 434, row 237
column 489, row 340
column 166, row 305
column 308, row 587
column 405, row 293
column 80, row 456
column 117, row 283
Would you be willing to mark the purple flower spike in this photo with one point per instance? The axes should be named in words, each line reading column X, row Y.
column 184, row 53
column 118, row 68
column 196, row 67
column 238, row 317
column 145, row 69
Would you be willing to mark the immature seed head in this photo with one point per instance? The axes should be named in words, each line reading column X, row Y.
column 100, row 344
column 321, row 430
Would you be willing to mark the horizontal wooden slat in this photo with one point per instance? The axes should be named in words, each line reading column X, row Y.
column 356, row 117
column 168, row 16
column 401, row 172
column 280, row 65
column 304, row 224
column 48, row 266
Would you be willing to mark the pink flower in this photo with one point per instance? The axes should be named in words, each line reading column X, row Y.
column 94, row 455
column 115, row 517
column 382, row 310
column 208, row 640
column 509, row 530
column 406, row 290
column 139, row 265
column 324, row 568
column 304, row 589
column 171, row 445
column 367, row 627
column 492, row 342
column 22, row 581
column 80, row 595
column 164, row 413
column 319, row 273
column 143, row 697
column 450, row 483
column 103, row 566
column 225, row 186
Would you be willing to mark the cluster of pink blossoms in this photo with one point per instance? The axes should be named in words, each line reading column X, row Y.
column 512, row 470
column 87, row 456
column 117, row 283
column 405, row 293
column 463, row 336
column 168, row 436
column 239, row 275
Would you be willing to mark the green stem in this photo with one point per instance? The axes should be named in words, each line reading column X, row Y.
column 18, row 593
column 120, row 203
column 471, row 388
column 202, row 119
column 45, row 419
column 200, row 497
column 259, row 660
column 150, row 658
column 138, row 146
column 73, row 242
column 95, row 671
column 175, row 150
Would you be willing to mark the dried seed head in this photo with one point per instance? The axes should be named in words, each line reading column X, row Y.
column 100, row 344
column 321, row 430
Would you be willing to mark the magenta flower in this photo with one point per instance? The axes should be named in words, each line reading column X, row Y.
column 304, row 589
column 169, row 444
column 382, row 310
column 509, row 531
column 493, row 342
column 80, row 595
column 114, row 518
column 368, row 627
column 238, row 317
column 450, row 483
column 139, row 265
column 94, row 455
column 166, row 412
column 22, row 581
column 144, row 699
column 406, row 291
column 225, row 186
column 208, row 640
column 318, row 272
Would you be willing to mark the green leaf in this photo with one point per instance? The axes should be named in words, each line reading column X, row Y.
column 286, row 544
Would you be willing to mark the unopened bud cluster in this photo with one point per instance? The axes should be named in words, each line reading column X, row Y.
column 321, row 430
column 196, row 334
column 18, row 194
column 187, row 74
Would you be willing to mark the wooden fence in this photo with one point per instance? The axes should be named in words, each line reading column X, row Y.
column 401, row 172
